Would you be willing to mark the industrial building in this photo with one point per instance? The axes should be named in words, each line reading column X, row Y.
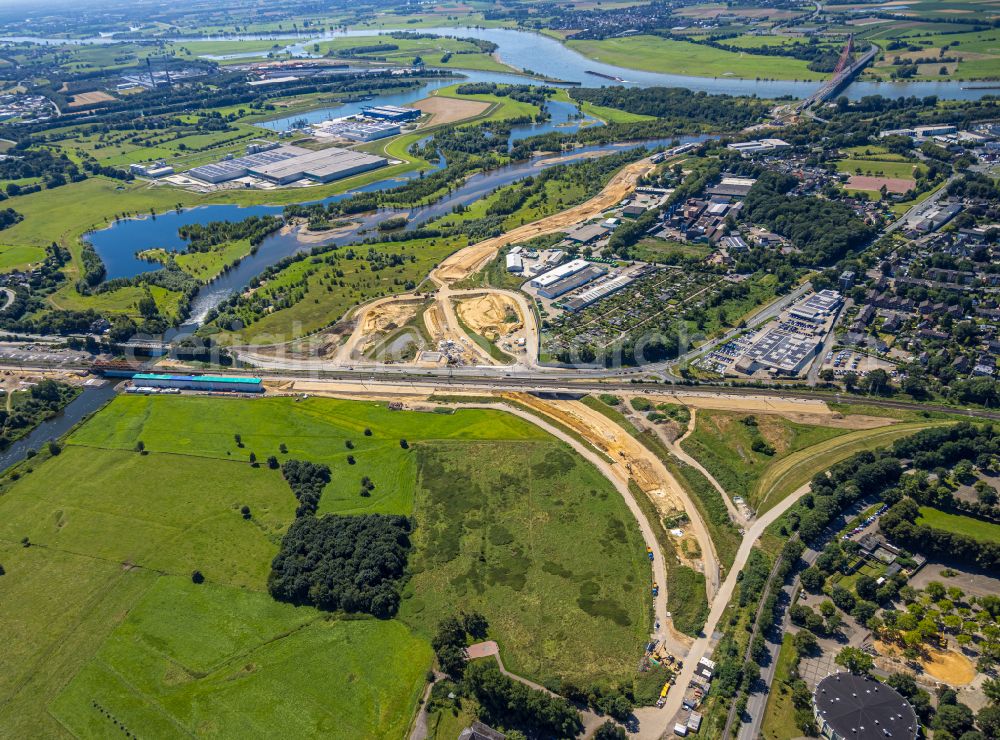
column 818, row 307
column 288, row 164
column 578, row 278
column 781, row 352
column 598, row 292
column 587, row 233
column 357, row 128
column 391, row 112
column 159, row 168
column 198, row 383
column 760, row 146
column 556, row 274
column 850, row 707
column 515, row 263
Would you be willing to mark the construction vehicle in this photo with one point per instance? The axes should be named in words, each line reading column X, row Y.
column 663, row 695
column 656, row 590
column 649, row 552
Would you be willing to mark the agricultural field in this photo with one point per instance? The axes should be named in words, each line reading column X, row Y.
column 437, row 51
column 974, row 55
column 655, row 54
column 481, row 545
column 100, row 603
column 958, row 524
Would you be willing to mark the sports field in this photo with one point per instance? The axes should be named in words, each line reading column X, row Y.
column 107, row 633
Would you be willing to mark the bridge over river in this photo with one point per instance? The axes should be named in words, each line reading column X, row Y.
column 846, row 70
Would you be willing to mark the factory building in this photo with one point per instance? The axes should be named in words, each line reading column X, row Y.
column 325, row 165
column 850, row 707
column 159, row 168
column 759, row 146
column 286, row 164
column 515, row 263
column 213, row 383
column 581, row 277
column 556, row 274
column 598, row 292
column 391, row 112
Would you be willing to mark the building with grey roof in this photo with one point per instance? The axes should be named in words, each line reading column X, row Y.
column 853, row 707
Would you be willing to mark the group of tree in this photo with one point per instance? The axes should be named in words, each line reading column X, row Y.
column 348, row 563
column 9, row 217
column 719, row 111
column 823, row 230
column 510, row 704
column 900, row 525
column 307, row 481
column 28, row 409
column 202, row 237
column 452, row 637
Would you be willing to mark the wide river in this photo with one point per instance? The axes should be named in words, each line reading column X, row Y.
column 117, row 245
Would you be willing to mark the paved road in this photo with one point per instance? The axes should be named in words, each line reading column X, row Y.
column 660, row 720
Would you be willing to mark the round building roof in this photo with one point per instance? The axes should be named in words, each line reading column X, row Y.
column 859, row 708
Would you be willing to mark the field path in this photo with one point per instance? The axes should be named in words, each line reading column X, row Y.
column 675, row 447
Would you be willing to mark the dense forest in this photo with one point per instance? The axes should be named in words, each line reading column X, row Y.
column 824, row 230
column 202, row 237
column 349, row 563
column 723, row 111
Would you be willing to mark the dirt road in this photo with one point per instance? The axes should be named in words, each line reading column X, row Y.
column 470, row 260
column 654, row 723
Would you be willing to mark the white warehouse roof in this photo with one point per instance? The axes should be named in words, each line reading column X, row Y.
column 557, row 274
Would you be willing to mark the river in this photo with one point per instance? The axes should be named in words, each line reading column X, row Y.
column 117, row 245
column 548, row 57
column 86, row 403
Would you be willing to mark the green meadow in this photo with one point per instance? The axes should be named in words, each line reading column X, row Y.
column 108, row 634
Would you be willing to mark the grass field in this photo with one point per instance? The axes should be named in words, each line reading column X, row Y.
column 656, row 54
column 724, row 445
column 878, row 167
column 797, row 469
column 18, row 258
column 312, row 429
column 106, row 627
column 958, row 524
column 500, row 531
column 221, row 662
column 779, row 716
column 203, row 265
column 667, row 251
